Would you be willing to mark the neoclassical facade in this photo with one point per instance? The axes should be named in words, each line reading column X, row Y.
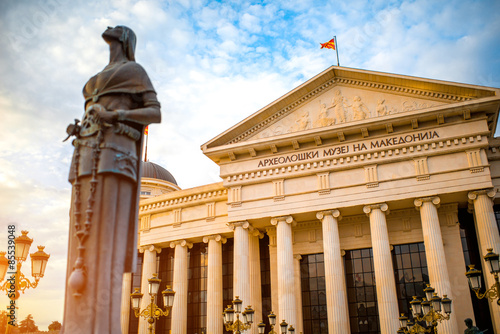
column 339, row 201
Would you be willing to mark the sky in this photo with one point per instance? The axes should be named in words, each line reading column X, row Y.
column 212, row 63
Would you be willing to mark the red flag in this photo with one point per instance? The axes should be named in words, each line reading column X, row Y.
column 329, row 45
column 146, row 130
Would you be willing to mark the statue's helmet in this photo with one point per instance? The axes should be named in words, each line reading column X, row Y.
column 128, row 40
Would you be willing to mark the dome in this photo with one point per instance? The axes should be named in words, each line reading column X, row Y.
column 154, row 171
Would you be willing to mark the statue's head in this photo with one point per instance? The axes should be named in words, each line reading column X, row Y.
column 125, row 36
column 468, row 322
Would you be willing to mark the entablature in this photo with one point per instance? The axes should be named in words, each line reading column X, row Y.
column 184, row 198
column 382, row 149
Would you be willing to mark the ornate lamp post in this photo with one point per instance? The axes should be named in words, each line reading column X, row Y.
column 272, row 321
column 237, row 326
column 474, row 277
column 430, row 309
column 20, row 282
column 152, row 311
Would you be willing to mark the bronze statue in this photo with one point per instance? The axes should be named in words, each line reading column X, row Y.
column 105, row 176
column 471, row 329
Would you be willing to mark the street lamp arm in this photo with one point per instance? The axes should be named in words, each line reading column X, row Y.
column 237, row 326
column 21, row 283
column 24, row 283
column 433, row 316
column 492, row 293
column 419, row 329
column 152, row 311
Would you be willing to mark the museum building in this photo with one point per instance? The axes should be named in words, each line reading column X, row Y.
column 339, row 201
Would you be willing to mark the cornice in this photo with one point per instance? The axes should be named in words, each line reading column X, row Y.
column 172, row 201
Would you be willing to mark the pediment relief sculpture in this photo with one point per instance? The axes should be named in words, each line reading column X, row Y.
column 343, row 105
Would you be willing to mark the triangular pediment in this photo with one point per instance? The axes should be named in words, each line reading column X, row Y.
column 340, row 97
column 341, row 104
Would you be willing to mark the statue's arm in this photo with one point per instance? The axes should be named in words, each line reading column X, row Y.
column 148, row 114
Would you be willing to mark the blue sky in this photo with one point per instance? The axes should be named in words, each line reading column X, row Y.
column 213, row 63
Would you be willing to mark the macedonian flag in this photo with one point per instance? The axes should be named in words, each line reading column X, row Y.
column 329, row 45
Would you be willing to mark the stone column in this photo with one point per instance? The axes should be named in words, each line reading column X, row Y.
column 255, row 279
column 436, row 258
column 286, row 281
column 273, row 262
column 488, row 237
column 241, row 272
column 214, row 284
column 180, row 286
column 148, row 269
column 126, row 306
column 336, row 293
column 299, row 326
column 384, row 273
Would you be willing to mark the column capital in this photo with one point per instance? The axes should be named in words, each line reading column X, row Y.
column 151, row 248
column 418, row 202
column 474, row 194
column 287, row 219
column 334, row 213
column 297, row 257
column 183, row 243
column 244, row 224
column 257, row 233
column 216, row 237
column 380, row 206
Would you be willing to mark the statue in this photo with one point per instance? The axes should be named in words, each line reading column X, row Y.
column 105, row 176
column 471, row 329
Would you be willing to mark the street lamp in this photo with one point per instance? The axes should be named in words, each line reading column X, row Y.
column 152, row 311
column 237, row 326
column 18, row 281
column 284, row 327
column 430, row 309
column 474, row 277
column 272, row 321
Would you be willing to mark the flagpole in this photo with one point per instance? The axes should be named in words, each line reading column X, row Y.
column 337, row 50
column 146, row 148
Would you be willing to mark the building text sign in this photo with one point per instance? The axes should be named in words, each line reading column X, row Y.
column 349, row 148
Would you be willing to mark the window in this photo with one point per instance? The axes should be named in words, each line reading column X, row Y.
column 410, row 267
column 166, row 274
column 312, row 275
column 265, row 276
column 197, row 289
column 227, row 274
column 496, row 208
column 472, row 255
column 133, row 322
column 361, row 292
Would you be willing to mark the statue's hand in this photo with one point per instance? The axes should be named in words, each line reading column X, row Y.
column 73, row 129
column 104, row 115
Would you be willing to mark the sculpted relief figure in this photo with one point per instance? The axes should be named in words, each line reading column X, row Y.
column 339, row 107
column 119, row 102
column 323, row 119
column 302, row 123
column 359, row 109
column 381, row 108
column 414, row 105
